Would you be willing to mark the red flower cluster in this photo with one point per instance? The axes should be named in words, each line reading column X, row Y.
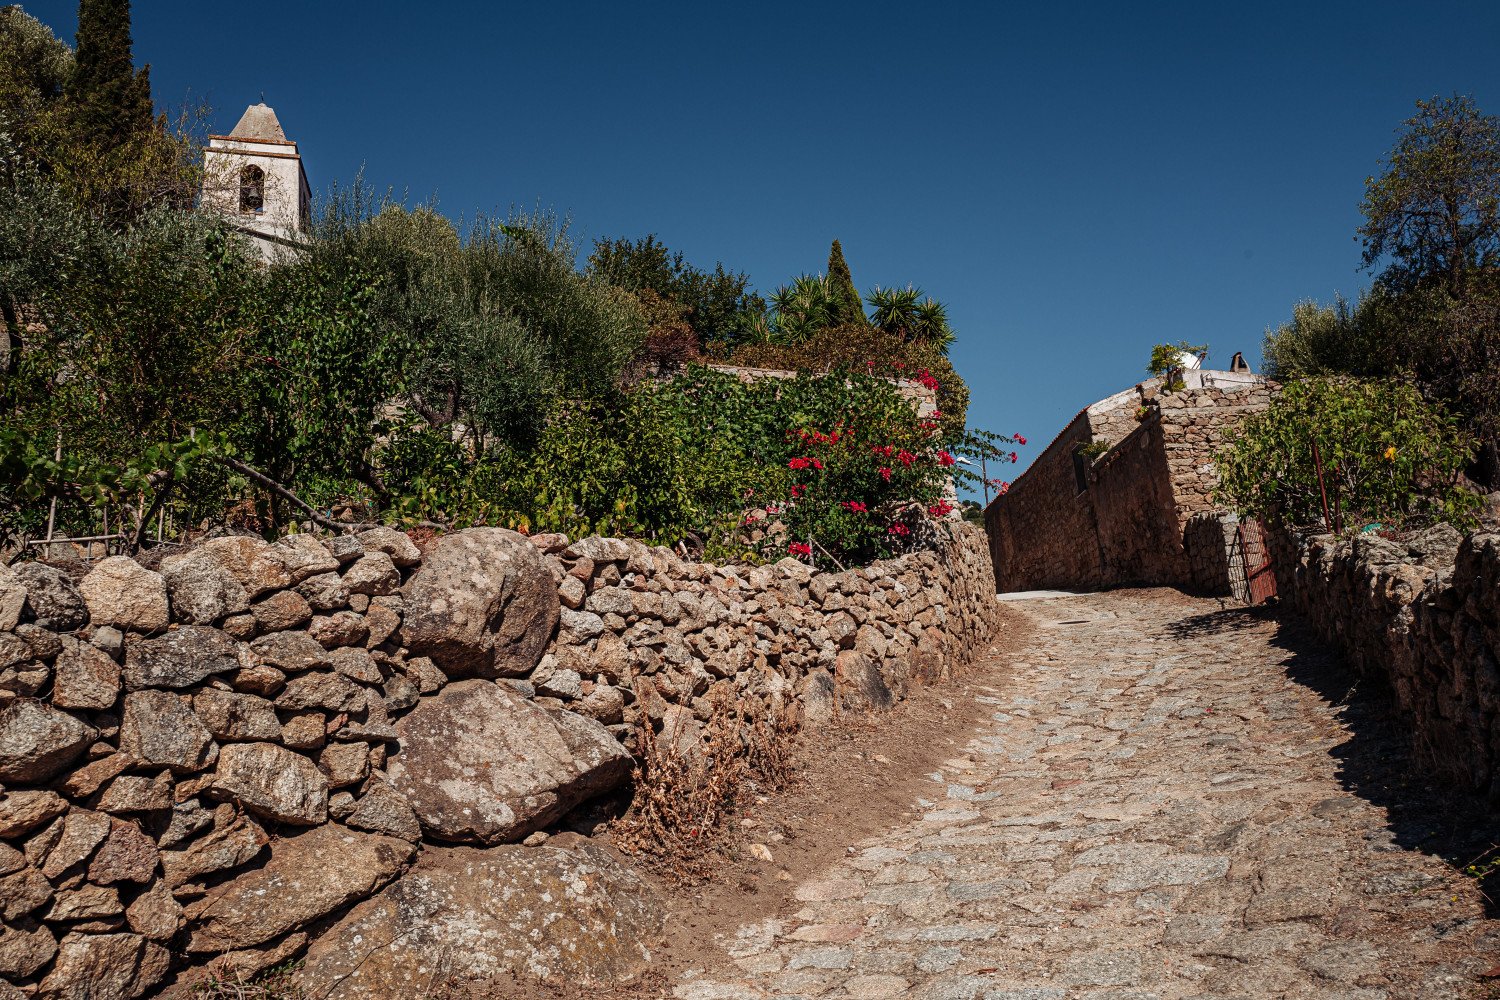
column 898, row 529
column 802, row 463
column 855, row 506
column 799, row 549
column 940, row 509
column 1013, row 457
column 906, row 458
column 883, row 449
column 798, row 490
column 1019, row 439
column 885, row 473
column 945, row 459
column 925, row 377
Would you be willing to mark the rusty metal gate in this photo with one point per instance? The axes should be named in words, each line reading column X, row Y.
column 1259, row 578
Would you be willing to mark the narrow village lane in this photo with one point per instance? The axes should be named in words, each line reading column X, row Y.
column 1158, row 807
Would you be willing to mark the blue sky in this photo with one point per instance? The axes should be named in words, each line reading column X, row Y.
column 1077, row 181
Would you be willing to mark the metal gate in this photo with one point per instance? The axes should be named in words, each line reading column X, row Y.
column 1259, row 578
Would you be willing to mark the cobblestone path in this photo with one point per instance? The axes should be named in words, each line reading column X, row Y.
column 1156, row 809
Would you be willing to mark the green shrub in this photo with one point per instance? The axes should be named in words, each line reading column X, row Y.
column 1388, row 456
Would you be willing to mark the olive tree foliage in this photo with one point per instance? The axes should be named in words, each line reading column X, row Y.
column 1386, row 454
column 494, row 324
column 86, row 119
column 1434, row 213
column 716, row 305
column 1432, row 224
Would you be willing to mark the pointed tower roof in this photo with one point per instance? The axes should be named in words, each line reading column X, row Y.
column 259, row 122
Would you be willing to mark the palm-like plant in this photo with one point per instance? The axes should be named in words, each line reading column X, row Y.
column 802, row 308
column 905, row 313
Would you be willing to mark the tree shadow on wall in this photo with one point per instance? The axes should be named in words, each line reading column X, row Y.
column 1425, row 810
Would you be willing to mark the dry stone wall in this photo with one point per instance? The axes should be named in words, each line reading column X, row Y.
column 1077, row 520
column 1423, row 616
column 214, row 760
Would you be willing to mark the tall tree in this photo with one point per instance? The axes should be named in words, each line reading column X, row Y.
column 846, row 304
column 109, row 95
column 1435, row 211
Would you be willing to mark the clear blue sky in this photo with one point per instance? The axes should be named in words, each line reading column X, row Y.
column 1077, row 181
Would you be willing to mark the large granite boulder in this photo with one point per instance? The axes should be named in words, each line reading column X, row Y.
column 483, row 604
column 471, row 914
column 272, row 781
column 52, row 598
column 120, row 591
column 222, row 576
column 104, row 967
column 37, row 741
column 12, row 598
column 307, row 877
column 179, row 659
column 481, row 764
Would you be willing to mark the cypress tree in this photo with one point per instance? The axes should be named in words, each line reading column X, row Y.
column 108, row 95
column 846, row 305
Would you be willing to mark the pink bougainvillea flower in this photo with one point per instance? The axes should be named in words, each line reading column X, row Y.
column 855, row 506
column 1020, row 440
column 799, row 549
column 945, row 459
column 906, row 458
column 898, row 529
column 798, row 490
column 940, row 509
column 885, row 474
column 1013, row 457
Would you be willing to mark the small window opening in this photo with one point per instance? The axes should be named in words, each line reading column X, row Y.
column 252, row 189
column 1080, row 469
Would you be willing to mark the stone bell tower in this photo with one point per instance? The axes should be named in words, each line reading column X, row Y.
column 254, row 177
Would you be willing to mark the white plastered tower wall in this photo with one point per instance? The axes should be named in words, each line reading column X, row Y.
column 254, row 177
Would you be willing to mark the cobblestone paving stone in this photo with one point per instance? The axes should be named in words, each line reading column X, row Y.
column 1146, row 815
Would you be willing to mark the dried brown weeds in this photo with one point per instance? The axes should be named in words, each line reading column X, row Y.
column 685, row 796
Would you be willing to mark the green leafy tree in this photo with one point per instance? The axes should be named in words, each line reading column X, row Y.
column 1434, row 212
column 87, row 120
column 1388, row 456
column 716, row 305
column 847, row 307
column 34, row 68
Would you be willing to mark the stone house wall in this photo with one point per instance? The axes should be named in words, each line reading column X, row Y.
column 216, row 761
column 1422, row 616
column 1029, row 532
column 1073, row 521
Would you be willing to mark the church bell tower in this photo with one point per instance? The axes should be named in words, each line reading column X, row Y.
column 254, row 177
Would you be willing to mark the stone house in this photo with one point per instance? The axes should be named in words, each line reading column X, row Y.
column 1124, row 495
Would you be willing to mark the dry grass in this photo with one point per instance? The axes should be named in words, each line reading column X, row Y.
column 685, row 797
column 272, row 984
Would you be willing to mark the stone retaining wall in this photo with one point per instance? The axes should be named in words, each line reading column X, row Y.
column 1421, row 615
column 216, row 761
column 1080, row 520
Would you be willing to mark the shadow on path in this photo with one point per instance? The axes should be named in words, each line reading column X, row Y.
column 1378, row 762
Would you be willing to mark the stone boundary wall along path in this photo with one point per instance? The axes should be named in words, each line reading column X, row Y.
column 217, row 762
column 1422, row 615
